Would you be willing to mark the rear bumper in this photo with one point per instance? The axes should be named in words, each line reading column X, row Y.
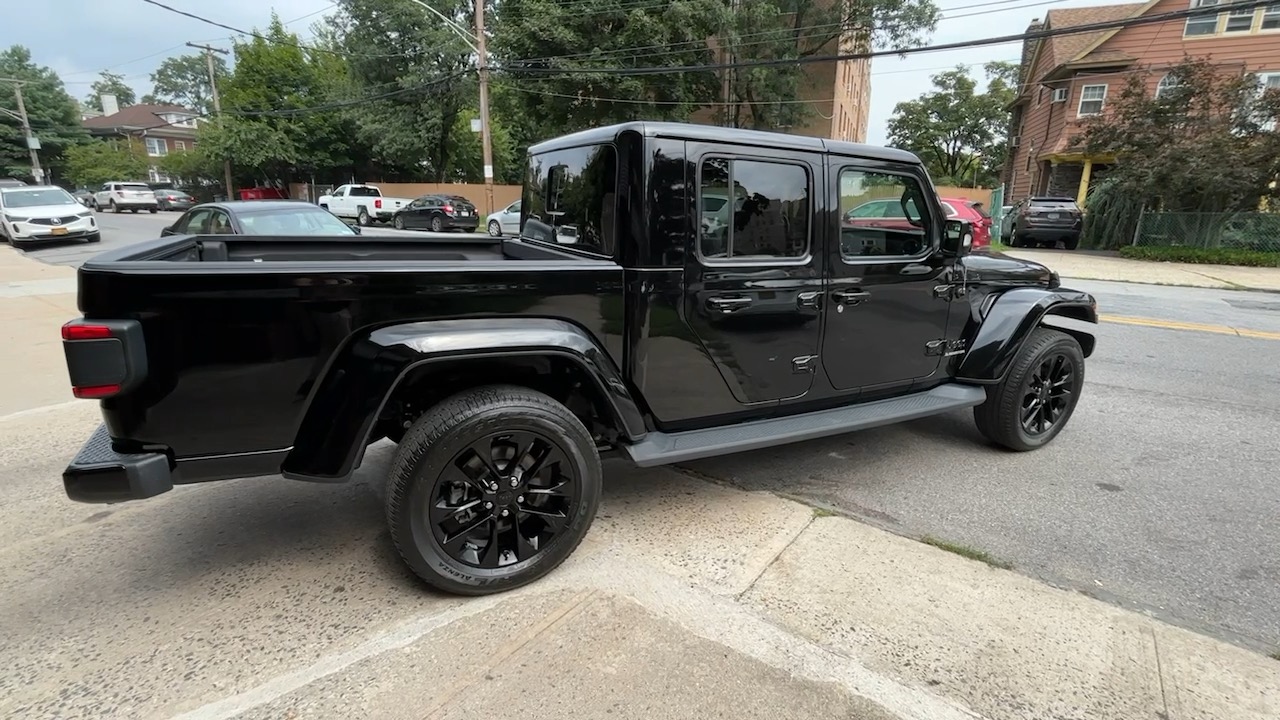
column 99, row 474
column 1047, row 232
column 464, row 223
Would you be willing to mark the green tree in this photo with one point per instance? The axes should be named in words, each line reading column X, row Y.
column 417, row 72
column 184, row 80
column 53, row 114
column 93, row 163
column 959, row 132
column 1227, row 163
column 466, row 162
column 191, row 167
column 109, row 83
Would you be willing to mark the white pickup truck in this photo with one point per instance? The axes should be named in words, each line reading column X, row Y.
column 365, row 203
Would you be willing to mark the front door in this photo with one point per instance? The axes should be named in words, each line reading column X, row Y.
column 753, row 285
column 887, row 298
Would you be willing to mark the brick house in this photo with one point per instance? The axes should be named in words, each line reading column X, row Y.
column 162, row 129
column 1068, row 78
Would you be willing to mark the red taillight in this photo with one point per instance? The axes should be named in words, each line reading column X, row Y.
column 172, row 198
column 75, row 331
column 378, row 203
column 448, row 209
column 94, row 392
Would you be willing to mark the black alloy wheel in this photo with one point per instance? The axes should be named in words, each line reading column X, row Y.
column 1035, row 400
column 492, row 489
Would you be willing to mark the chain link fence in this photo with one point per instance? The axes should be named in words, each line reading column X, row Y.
column 1255, row 231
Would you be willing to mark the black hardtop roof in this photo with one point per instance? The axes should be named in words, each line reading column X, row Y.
column 715, row 133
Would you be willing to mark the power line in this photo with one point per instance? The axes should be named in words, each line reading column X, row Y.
column 348, row 103
column 961, row 45
column 265, row 38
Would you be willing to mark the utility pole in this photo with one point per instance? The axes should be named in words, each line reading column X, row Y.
column 482, row 63
column 217, row 105
column 32, row 144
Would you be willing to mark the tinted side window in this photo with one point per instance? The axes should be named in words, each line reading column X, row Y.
column 197, row 222
column 904, row 231
column 764, row 214
column 571, row 196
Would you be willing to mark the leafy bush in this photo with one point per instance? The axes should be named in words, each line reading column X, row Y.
column 1204, row 256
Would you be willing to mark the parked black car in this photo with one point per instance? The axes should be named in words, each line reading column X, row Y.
column 1044, row 220
column 437, row 213
column 259, row 217
column 503, row 368
column 174, row 200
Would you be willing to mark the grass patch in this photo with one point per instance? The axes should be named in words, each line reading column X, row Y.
column 997, row 246
column 1205, row 256
column 965, row 551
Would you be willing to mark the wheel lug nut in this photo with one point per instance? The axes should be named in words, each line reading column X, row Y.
column 515, row 482
column 520, row 499
column 488, row 506
column 505, row 512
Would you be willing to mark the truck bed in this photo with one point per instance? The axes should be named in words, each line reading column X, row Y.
column 310, row 249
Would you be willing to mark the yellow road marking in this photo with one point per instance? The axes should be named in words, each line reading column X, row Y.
column 1196, row 327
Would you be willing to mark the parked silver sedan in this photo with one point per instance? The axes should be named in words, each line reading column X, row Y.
column 505, row 221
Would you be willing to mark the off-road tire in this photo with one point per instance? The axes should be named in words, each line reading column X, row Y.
column 434, row 441
column 999, row 418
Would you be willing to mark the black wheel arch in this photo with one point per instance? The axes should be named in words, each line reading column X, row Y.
column 394, row 372
column 1002, row 322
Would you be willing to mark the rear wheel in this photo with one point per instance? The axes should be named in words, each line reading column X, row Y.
column 437, row 224
column 152, row 210
column 1037, row 397
column 362, row 218
column 1071, row 242
column 114, row 207
column 492, row 489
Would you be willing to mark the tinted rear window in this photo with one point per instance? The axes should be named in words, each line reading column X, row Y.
column 135, row 186
column 363, row 192
column 1057, row 203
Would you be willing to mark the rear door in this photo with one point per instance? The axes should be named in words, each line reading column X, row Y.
column 753, row 284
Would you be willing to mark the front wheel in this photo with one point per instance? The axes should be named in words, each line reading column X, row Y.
column 1035, row 400
column 114, row 207
column 398, row 222
column 152, row 211
column 492, row 489
column 495, row 230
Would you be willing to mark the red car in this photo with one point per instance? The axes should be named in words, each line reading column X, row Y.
column 884, row 212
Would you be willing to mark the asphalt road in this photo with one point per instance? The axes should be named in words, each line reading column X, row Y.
column 1161, row 494
column 129, row 228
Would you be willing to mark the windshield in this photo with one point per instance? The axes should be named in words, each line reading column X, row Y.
column 302, row 220
column 35, row 197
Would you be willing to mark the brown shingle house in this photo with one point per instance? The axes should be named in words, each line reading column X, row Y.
column 1068, row 78
column 162, row 129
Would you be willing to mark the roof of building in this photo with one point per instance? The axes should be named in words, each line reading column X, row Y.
column 1064, row 48
column 143, row 117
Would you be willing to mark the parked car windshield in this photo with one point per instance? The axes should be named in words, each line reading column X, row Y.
column 302, row 220
column 34, row 197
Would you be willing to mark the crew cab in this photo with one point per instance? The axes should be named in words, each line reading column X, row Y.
column 504, row 368
column 363, row 203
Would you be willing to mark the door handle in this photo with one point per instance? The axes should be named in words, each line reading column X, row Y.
column 808, row 299
column 728, row 305
column 850, row 297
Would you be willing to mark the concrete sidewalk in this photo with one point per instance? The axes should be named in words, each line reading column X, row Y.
column 35, row 300
column 1093, row 266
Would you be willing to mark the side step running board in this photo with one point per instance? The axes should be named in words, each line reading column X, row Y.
column 659, row 448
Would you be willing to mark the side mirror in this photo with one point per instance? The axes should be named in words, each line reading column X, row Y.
column 957, row 239
column 167, row 231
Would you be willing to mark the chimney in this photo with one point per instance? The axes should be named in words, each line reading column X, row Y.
column 109, row 104
column 1029, row 51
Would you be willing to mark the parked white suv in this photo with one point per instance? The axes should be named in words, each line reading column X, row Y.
column 120, row 196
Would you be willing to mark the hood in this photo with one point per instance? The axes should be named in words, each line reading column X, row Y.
column 45, row 211
column 999, row 269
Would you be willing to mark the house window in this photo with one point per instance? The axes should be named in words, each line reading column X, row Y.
column 155, row 175
column 1092, row 98
column 1167, row 84
column 179, row 120
column 1268, row 81
column 1202, row 24
column 157, row 147
column 179, row 145
column 1239, row 20
column 1271, row 17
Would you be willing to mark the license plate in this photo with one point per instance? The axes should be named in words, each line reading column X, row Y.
column 59, row 231
column 465, row 213
column 1053, row 216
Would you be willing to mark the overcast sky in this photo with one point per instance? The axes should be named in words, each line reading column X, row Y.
column 132, row 37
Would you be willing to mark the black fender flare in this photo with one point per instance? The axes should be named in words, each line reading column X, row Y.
column 1005, row 321
column 349, row 396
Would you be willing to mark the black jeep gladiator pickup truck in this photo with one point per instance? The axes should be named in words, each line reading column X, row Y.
column 676, row 292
